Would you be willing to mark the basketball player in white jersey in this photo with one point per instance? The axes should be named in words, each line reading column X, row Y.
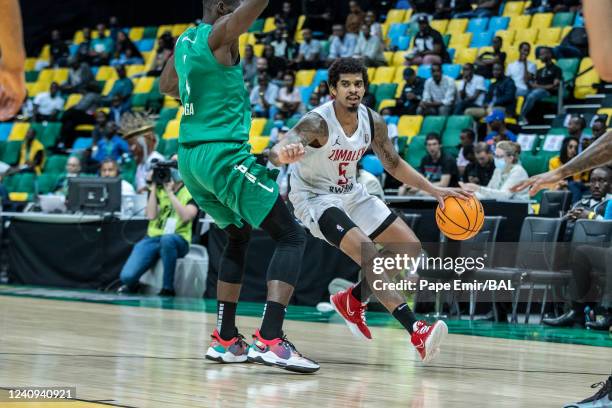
column 325, row 147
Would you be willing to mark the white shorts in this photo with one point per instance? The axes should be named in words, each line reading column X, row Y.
column 368, row 212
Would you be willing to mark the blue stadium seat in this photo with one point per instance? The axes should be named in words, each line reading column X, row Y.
column 372, row 164
column 392, row 120
column 482, row 39
column 145, row 45
column 403, row 42
column 498, row 23
column 451, row 70
column 73, row 49
column 306, row 91
column 397, row 30
column 402, row 5
column 451, row 53
column 5, row 130
column 319, row 77
column 82, row 143
column 424, row 71
column 579, row 20
column 477, row 25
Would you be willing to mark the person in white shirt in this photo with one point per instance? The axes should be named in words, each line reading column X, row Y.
column 48, row 104
column 110, row 168
column 522, row 70
column 439, row 94
column 471, row 90
column 342, row 44
column 289, row 99
column 508, row 172
column 375, row 27
column 263, row 96
column 370, row 48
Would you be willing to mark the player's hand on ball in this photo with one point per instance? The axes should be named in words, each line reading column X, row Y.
column 291, row 153
column 538, row 182
column 440, row 193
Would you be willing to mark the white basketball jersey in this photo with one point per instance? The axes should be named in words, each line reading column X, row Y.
column 332, row 168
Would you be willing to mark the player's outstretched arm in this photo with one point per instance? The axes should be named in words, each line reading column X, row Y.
column 228, row 28
column 311, row 128
column 599, row 153
column 168, row 80
column 12, row 63
column 402, row 171
column 597, row 17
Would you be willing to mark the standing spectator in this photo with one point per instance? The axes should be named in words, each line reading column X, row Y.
column 101, row 48
column 80, row 78
column 162, row 54
column 58, row 50
column 263, row 97
column 575, row 129
column 502, row 92
column 466, row 150
column 546, row 83
column 342, row 45
column 249, row 65
column 47, row 105
column 31, row 155
column 497, row 128
column 485, row 61
column 485, row 8
column 438, row 95
column 72, row 169
column 445, row 9
column 309, row 54
column 598, row 128
column 409, row 100
column 370, row 48
column 481, row 170
column 428, row 46
column 471, row 92
column 110, row 168
column 123, row 88
column 375, row 27
column 289, row 99
column 111, row 145
column 355, row 18
column 575, row 184
column 318, row 15
column 522, row 70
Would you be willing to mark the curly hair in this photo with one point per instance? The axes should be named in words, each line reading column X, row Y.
column 347, row 66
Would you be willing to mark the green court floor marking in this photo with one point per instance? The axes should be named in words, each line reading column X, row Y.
column 534, row 332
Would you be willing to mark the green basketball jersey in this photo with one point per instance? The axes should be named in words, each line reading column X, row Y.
column 215, row 100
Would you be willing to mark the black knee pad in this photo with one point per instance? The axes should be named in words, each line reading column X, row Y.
column 334, row 224
column 232, row 264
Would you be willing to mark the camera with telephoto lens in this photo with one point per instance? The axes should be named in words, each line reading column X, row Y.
column 162, row 171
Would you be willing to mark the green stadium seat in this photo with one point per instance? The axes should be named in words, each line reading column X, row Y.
column 569, row 66
column 26, row 183
column 385, row 91
column 402, row 143
column 534, row 164
column 268, row 128
column 458, row 122
column 416, row 151
column 11, row 152
column 257, row 26
column 155, row 99
column 291, row 122
column 563, row 19
column 56, row 164
column 167, row 114
column 149, row 32
column 2, row 147
column 51, row 134
column 128, row 170
column 433, row 124
column 11, row 182
column 31, row 76
column 47, row 182
column 139, row 100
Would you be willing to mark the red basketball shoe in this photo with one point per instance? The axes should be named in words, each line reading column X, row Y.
column 352, row 311
column 426, row 339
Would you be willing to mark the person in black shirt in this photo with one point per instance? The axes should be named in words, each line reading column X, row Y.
column 546, row 83
column 481, row 170
column 484, row 63
column 502, row 92
column 409, row 100
column 59, row 50
column 429, row 46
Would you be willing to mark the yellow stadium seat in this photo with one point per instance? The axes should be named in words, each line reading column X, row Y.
column 108, row 86
column 584, row 83
column 565, row 31
column 85, row 128
column 458, row 41
column 179, row 113
column 507, row 37
column 269, row 25
column 519, row 105
column 409, row 125
column 18, row 131
column 132, row 70
column 144, row 85
column 399, row 74
column 18, row 197
column 172, row 129
column 136, row 33
column 512, row 54
column 400, row 88
column 383, row 75
column 30, row 87
column 384, row 28
column 46, row 75
column 258, row 50
column 407, row 15
column 298, row 31
column 94, row 33
column 371, row 73
column 30, row 63
column 395, row 16
column 45, row 53
column 389, row 57
column 514, row 8
column 549, row 36
column 163, row 28
column 243, row 39
column 259, row 144
column 541, row 20
column 607, row 112
column 60, row 75
column 39, row 87
column 178, row 29
column 386, row 103
column 457, row 26
column 170, row 102
column 526, row 35
column 257, row 126
column 398, row 58
column 465, row 55
column 78, row 37
column 519, row 22
column 439, row 25
column 105, row 73
column 304, row 77
column 72, row 100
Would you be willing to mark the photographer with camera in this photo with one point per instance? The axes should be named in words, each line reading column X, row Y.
column 171, row 211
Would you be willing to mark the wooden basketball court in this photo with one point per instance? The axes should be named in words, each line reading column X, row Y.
column 154, row 357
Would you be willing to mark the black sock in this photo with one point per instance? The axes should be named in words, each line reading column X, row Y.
column 405, row 316
column 361, row 291
column 272, row 324
column 226, row 320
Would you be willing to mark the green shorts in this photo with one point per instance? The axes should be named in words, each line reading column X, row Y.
column 227, row 183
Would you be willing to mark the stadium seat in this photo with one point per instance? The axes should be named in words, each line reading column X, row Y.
column 403, row 42
column 507, row 37
column 105, row 73
column 563, row 19
column 268, row 128
column 179, row 29
column 82, row 143
column 451, row 70
column 144, row 85
column 482, row 39
column 45, row 53
column 304, row 77
column 18, row 131
column 47, row 182
column 145, row 44
column 258, row 50
column 31, row 76
column 383, row 75
column 269, row 25
column 259, row 144
column 172, row 129
column 415, row 151
column 514, row 8
column 50, row 134
column 459, row 41
column 526, row 35
column 55, row 164
column 5, row 130
column 527, row 142
column 458, row 122
column 150, row 32
column 569, row 66
column 257, row 26
column 519, row 22
column 60, row 75
column 409, row 125
column 533, row 164
column 549, row 36
column 585, row 82
column 465, row 55
column 386, row 103
column 257, row 126
column 541, row 20
column 579, row 20
column 433, row 124
column 11, row 152
column 395, row 16
column 457, row 26
column 498, row 23
column 399, row 58
column 305, row 92
column 477, row 25
column 108, row 85
column 397, row 29
column 72, row 100
column 320, row 76
column 134, row 70
column 385, row 91
column 439, row 25
column 40, row 87
column 424, row 71
column 136, row 33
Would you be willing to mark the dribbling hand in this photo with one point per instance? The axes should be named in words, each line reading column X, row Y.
column 291, row 153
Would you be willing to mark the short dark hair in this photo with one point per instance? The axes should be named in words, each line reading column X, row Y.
column 599, row 119
column 436, row 65
column 469, row 132
column 433, row 136
column 290, row 73
column 481, row 147
column 346, row 66
column 524, row 43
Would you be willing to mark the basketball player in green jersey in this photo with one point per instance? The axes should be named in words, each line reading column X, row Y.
column 227, row 183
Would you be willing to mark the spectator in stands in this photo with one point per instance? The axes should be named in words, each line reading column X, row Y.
column 497, row 128
column 502, row 92
column 392, row 132
column 410, row 98
column 127, row 58
column 471, row 90
column 81, row 113
column 508, row 172
column 594, row 205
column 566, row 5
column 126, row 52
column 171, row 210
column 438, row 94
column 110, row 168
column 575, row 128
column 342, row 45
column 485, row 8
column 318, row 14
column 290, row 17
column 485, row 61
column 249, row 65
column 422, row 8
column 31, row 154
column 72, row 169
column 575, row 44
column 480, row 170
column 370, row 48
column 540, row 6
column 47, row 105
column 84, row 46
column 289, row 99
column 117, row 109
column 309, row 54
column 445, row 9
column 163, row 52
column 598, row 128
column 466, row 150
column 375, row 27
column 27, row 109
column 428, row 46
column 323, row 92
column 276, row 65
column 262, row 67
column 313, row 101
column 355, row 18
column 111, row 145
column 546, row 83
column 80, row 78
column 575, row 184
column 522, row 70
column 113, row 26
column 263, row 97
column 123, row 88
column 281, row 44
column 59, row 52
column 101, row 48
column 100, row 120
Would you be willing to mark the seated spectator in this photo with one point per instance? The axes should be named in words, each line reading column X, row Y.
column 485, row 8
column 127, row 58
column 485, row 61
column 342, row 45
column 466, row 150
column 100, row 118
column 162, row 54
column 575, row 129
column 48, row 105
column 428, row 47
column 594, row 205
column 80, row 78
column 318, row 14
column 123, row 88
column 72, row 169
column 27, row 109
column 59, row 52
column 355, row 18
column 481, row 169
column 323, row 92
column 445, row 9
column 281, row 44
column 249, row 66
column 276, row 65
column 126, row 53
column 375, row 27
column 438, row 94
column 290, row 17
column 309, row 54
column 110, row 168
column 111, row 145
column 575, row 184
column 437, row 167
column 171, row 211
column 313, row 101
column 575, row 44
column 392, row 132
column 117, row 109
column 471, row 90
column 101, row 48
column 522, row 70
column 497, row 128
column 262, row 67
column 410, row 98
column 82, row 53
column 598, row 128
column 508, row 172
column 502, row 92
column 370, row 48
column 289, row 99
column 31, row 154
column 545, row 84
column 263, row 97
column 81, row 113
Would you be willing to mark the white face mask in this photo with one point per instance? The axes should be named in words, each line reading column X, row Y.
column 500, row 163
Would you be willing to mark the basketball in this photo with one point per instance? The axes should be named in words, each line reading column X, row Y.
column 460, row 219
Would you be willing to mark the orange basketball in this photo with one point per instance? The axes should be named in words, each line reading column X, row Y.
column 460, row 219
